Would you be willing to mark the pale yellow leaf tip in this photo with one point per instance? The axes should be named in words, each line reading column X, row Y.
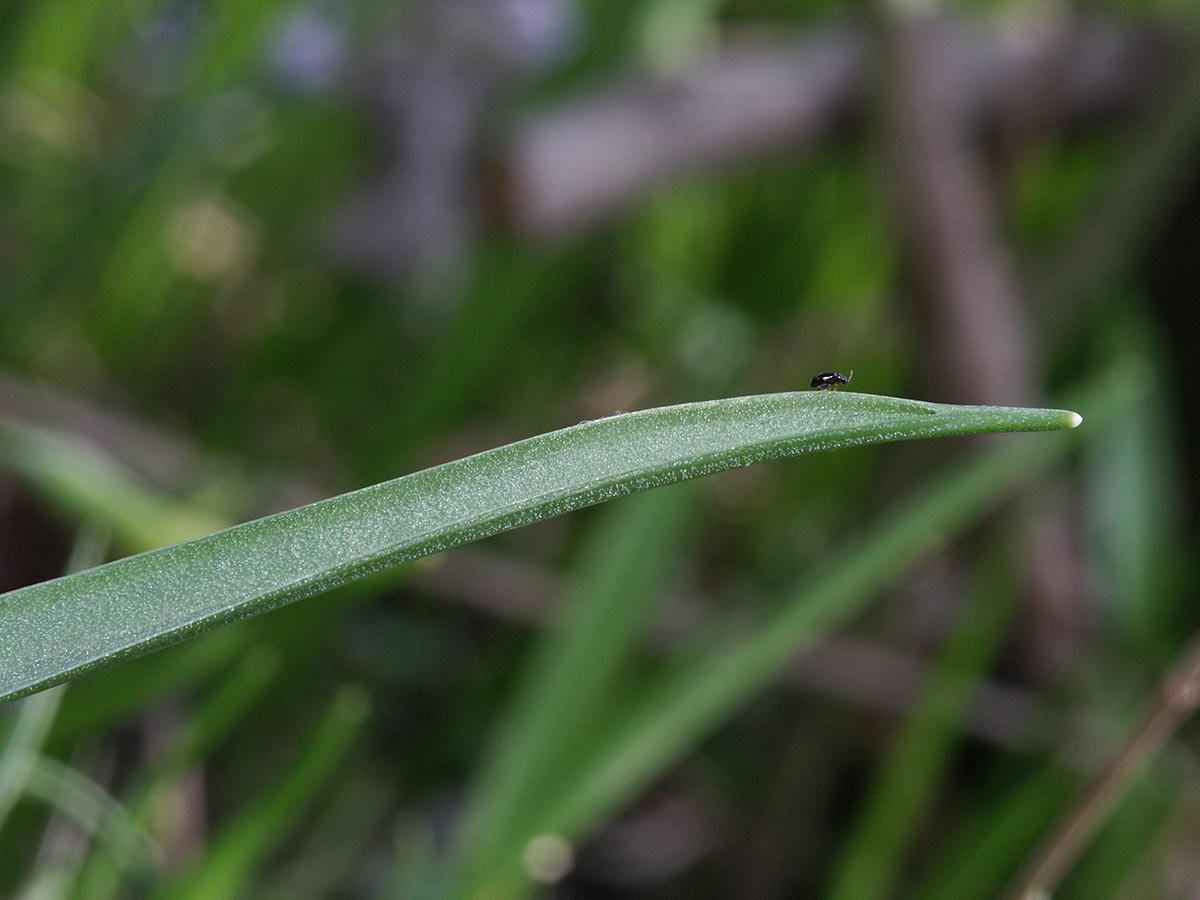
column 1076, row 420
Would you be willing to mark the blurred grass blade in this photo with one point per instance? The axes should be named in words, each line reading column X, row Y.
column 1135, row 512
column 94, row 704
column 225, row 706
column 361, row 807
column 68, row 626
column 574, row 680
column 230, row 863
column 94, row 809
column 34, row 718
column 983, row 852
column 83, row 479
column 19, row 754
column 874, row 856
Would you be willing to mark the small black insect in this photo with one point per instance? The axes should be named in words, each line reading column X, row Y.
column 829, row 381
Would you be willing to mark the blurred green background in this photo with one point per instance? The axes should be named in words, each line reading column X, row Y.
column 254, row 253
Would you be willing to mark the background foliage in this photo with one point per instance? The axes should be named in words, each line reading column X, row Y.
column 253, row 253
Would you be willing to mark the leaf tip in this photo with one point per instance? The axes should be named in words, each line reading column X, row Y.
column 1074, row 420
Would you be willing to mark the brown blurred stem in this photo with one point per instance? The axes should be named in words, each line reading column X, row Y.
column 974, row 331
column 961, row 281
column 578, row 163
column 1177, row 698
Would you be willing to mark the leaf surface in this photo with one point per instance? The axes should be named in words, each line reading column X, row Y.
column 62, row 628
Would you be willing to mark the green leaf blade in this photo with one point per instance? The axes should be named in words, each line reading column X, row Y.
column 66, row 627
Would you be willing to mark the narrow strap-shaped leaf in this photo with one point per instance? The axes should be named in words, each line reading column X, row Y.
column 62, row 628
